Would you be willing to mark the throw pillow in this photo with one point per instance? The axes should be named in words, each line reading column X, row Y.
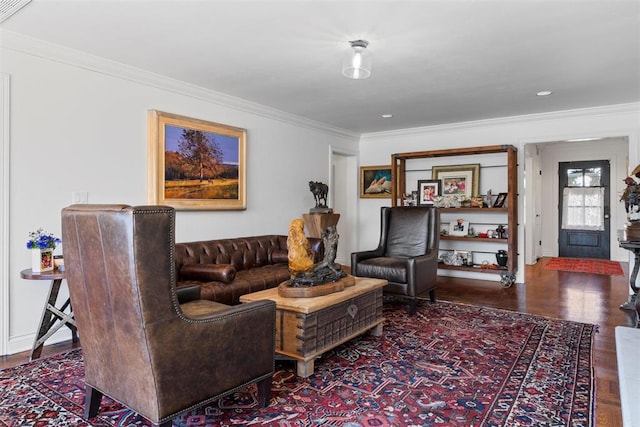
column 208, row 272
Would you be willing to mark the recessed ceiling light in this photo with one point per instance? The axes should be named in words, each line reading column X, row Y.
column 387, row 116
column 544, row 93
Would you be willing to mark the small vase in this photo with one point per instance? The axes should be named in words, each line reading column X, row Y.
column 501, row 258
column 41, row 260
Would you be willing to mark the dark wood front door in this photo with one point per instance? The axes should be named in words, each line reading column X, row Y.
column 584, row 209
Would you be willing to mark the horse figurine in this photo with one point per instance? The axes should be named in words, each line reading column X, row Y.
column 319, row 191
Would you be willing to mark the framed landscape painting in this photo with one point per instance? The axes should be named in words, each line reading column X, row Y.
column 458, row 180
column 196, row 164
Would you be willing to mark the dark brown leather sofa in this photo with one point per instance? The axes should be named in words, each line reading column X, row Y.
column 225, row 269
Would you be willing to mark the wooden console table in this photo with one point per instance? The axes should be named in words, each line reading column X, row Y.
column 634, row 246
column 53, row 318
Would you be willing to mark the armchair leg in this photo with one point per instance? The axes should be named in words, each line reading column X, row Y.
column 264, row 392
column 411, row 308
column 432, row 295
column 92, row 399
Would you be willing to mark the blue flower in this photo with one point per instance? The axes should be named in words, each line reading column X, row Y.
column 40, row 239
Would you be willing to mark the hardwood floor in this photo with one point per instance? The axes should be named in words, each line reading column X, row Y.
column 588, row 298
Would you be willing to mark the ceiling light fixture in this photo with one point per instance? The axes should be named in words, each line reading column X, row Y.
column 583, row 139
column 544, row 93
column 357, row 62
column 386, row 116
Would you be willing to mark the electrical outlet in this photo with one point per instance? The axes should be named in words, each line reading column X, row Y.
column 80, row 197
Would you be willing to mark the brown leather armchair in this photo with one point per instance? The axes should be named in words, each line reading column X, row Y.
column 407, row 255
column 141, row 346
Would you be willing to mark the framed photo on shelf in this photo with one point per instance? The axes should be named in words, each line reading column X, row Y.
column 195, row 164
column 458, row 180
column 427, row 190
column 500, row 200
column 375, row 182
column 459, row 227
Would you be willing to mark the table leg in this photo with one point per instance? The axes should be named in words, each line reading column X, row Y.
column 305, row 368
column 631, row 303
column 637, row 311
column 377, row 330
column 53, row 319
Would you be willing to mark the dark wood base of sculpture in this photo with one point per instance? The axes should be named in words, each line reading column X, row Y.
column 286, row 291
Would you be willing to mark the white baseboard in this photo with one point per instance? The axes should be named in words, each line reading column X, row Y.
column 24, row 342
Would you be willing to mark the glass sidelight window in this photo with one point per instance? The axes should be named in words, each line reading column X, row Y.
column 583, row 200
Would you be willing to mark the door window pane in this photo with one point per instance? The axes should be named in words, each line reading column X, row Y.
column 574, row 177
column 583, row 208
column 589, row 177
column 592, row 177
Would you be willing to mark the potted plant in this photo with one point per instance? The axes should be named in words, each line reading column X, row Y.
column 42, row 245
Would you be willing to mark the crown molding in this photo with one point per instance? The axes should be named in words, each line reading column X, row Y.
column 630, row 108
column 61, row 54
column 64, row 55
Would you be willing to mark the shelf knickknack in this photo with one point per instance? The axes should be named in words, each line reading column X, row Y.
column 41, row 260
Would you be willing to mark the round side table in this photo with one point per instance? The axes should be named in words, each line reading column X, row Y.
column 53, row 318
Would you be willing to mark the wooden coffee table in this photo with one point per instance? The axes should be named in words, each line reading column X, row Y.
column 308, row 327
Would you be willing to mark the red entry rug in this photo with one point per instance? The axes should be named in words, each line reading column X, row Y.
column 585, row 265
column 450, row 365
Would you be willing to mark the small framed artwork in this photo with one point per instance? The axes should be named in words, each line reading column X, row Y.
column 458, row 179
column 195, row 164
column 500, row 200
column 427, row 190
column 375, row 182
column 459, row 227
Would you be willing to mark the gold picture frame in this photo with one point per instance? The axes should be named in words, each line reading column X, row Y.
column 458, row 179
column 375, row 182
column 196, row 164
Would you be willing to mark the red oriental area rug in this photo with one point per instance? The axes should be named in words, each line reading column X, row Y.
column 584, row 265
column 449, row 365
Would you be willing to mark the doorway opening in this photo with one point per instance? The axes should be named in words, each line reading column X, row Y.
column 542, row 202
column 343, row 195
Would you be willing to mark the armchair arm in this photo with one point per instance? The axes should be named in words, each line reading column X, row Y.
column 198, row 359
column 357, row 257
column 422, row 272
column 188, row 293
column 363, row 255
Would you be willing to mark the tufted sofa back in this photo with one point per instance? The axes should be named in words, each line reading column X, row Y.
column 242, row 253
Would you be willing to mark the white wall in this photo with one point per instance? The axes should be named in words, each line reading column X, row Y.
column 80, row 124
column 376, row 149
